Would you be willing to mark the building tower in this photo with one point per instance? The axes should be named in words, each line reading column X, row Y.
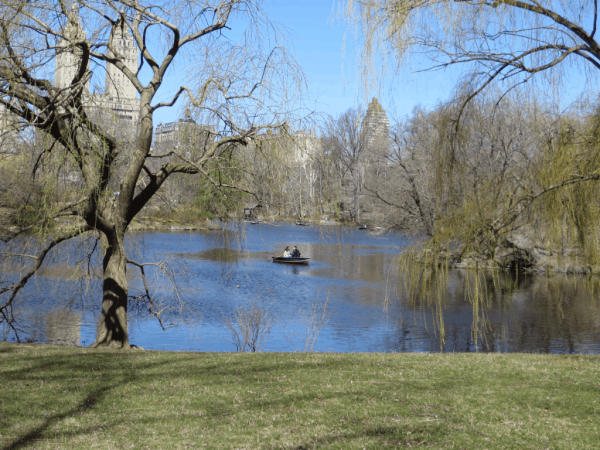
column 118, row 87
column 9, row 131
column 67, row 57
column 376, row 131
column 120, row 95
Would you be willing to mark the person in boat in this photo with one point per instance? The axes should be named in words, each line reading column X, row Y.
column 296, row 252
column 286, row 252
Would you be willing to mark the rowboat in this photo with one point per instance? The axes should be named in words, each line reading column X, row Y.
column 290, row 260
column 303, row 224
column 364, row 227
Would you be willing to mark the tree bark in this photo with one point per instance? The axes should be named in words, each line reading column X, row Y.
column 113, row 321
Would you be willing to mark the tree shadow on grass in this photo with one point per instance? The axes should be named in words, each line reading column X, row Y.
column 89, row 402
column 388, row 436
column 69, row 369
column 109, row 370
column 185, row 372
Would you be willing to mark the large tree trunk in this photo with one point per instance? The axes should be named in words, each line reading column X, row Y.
column 113, row 322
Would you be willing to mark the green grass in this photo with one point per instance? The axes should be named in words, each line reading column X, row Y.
column 58, row 397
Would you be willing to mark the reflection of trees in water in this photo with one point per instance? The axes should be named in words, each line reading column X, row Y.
column 69, row 283
column 47, row 294
column 63, row 328
column 493, row 311
column 352, row 262
column 560, row 313
column 68, row 278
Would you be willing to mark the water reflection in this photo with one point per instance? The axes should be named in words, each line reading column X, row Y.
column 62, row 328
column 356, row 272
column 528, row 313
column 351, row 261
column 219, row 255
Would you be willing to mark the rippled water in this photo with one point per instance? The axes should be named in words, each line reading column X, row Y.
column 352, row 271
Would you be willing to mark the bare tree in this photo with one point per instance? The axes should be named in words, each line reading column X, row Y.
column 227, row 87
column 345, row 139
column 250, row 327
column 435, row 171
column 409, row 192
column 313, row 319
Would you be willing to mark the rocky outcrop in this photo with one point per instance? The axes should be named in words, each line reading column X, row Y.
column 566, row 260
column 517, row 253
column 510, row 258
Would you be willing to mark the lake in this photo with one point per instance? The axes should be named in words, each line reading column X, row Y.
column 350, row 298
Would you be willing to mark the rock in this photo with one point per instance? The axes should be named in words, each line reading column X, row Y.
column 521, row 241
column 518, row 253
column 463, row 264
column 514, row 258
column 491, row 264
column 501, row 253
column 543, row 251
column 469, row 262
column 579, row 270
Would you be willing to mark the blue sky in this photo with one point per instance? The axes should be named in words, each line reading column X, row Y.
column 334, row 85
column 332, row 70
column 333, row 78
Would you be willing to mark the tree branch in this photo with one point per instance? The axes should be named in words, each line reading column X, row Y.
column 15, row 288
column 151, row 309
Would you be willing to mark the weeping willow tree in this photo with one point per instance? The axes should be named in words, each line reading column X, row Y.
column 50, row 52
column 541, row 193
column 539, row 211
column 510, row 42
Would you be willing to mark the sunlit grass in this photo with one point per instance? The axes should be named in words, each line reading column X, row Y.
column 59, row 397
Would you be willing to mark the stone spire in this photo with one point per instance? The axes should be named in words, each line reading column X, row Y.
column 376, row 129
column 67, row 56
column 117, row 85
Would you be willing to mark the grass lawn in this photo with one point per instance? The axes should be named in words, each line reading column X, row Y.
column 61, row 397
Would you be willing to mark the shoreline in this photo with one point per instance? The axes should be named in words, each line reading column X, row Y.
column 137, row 348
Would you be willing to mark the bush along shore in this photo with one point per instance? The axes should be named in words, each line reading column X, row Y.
column 153, row 221
column 78, row 398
